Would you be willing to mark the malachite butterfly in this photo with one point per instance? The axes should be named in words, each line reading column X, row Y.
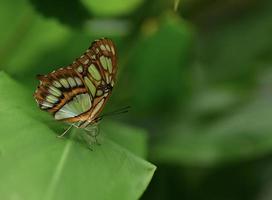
column 77, row 93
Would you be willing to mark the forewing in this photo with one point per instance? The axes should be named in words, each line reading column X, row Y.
column 97, row 67
column 98, row 63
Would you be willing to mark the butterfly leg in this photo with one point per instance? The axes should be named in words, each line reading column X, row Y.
column 88, row 139
column 66, row 131
column 93, row 132
column 75, row 126
column 96, row 133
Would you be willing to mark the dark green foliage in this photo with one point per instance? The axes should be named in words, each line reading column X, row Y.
column 199, row 82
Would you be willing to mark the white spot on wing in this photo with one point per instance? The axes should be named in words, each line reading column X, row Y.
column 112, row 49
column 108, row 47
column 80, row 69
column 47, row 104
column 72, row 82
column 109, row 63
column 51, row 99
column 56, row 84
column 78, row 81
column 64, row 82
column 56, row 92
column 102, row 47
column 103, row 62
column 86, row 62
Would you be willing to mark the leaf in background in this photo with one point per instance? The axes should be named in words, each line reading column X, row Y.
column 33, row 44
column 28, row 38
column 209, row 102
column 37, row 165
column 246, row 134
column 232, row 51
column 72, row 13
column 158, row 66
column 111, row 7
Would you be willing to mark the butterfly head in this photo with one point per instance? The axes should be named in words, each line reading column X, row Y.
column 106, row 88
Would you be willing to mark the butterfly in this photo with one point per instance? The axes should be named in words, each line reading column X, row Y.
column 76, row 94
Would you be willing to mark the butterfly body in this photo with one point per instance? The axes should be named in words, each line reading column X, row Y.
column 77, row 93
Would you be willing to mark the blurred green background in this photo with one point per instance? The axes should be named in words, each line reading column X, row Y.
column 197, row 74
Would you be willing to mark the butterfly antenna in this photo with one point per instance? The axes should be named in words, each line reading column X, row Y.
column 118, row 111
column 115, row 112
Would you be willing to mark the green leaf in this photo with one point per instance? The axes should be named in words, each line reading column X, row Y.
column 244, row 135
column 234, row 50
column 213, row 101
column 136, row 142
column 75, row 19
column 37, row 165
column 111, row 7
column 33, row 44
column 29, row 38
column 158, row 65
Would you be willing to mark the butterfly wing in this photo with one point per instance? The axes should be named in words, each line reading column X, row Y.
column 63, row 93
column 98, row 63
column 80, row 91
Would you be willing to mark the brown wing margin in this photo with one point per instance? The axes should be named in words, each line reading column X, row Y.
column 57, row 88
